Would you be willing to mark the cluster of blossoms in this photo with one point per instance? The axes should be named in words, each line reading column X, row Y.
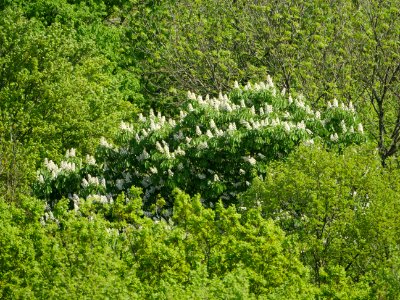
column 54, row 170
column 213, row 147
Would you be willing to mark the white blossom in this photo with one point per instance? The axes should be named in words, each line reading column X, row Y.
column 250, row 160
column 170, row 173
column 171, row 122
column 151, row 114
column 262, row 156
column 318, row 115
column 286, row 126
column 179, row 151
column 232, row 127
column 119, row 183
column 141, row 118
column 300, row 104
column 216, row 178
column 343, row 125
column 104, row 143
column 182, row 115
column 84, row 183
column 268, row 109
column 198, row 131
column 360, row 128
column 236, row 85
column 269, row 81
column 70, row 153
column 201, row 176
column 334, row 137
column 153, row 170
column 103, row 182
column 212, row 124
column 76, row 201
column 301, row 125
column 144, row 155
column 68, row 166
column 90, row 160
column 191, row 96
column 309, row 142
column 335, row 103
column 179, row 136
column 219, row 132
column 190, row 107
column 202, row 145
column 40, row 178
column 92, row 180
column 209, row 134
column 51, row 166
column 159, row 147
column 125, row 127
column 242, row 172
column 351, row 107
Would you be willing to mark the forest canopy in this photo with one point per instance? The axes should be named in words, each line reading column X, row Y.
column 199, row 149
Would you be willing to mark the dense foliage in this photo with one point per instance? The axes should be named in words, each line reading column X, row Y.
column 215, row 147
column 118, row 183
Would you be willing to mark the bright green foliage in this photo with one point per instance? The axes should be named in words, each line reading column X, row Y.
column 345, row 49
column 214, row 148
column 57, row 89
column 377, row 26
column 320, row 219
column 199, row 253
column 343, row 209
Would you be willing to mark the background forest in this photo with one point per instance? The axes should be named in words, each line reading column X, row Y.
column 199, row 149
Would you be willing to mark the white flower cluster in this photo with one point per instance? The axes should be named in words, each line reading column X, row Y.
column 269, row 85
column 335, row 104
column 93, row 180
column 48, row 216
column 70, row 153
column 334, row 137
column 39, row 177
column 50, row 165
column 119, row 183
column 100, row 199
column 104, row 143
column 90, row 160
column 143, row 156
column 67, row 166
column 55, row 170
column 126, row 127
column 250, row 160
